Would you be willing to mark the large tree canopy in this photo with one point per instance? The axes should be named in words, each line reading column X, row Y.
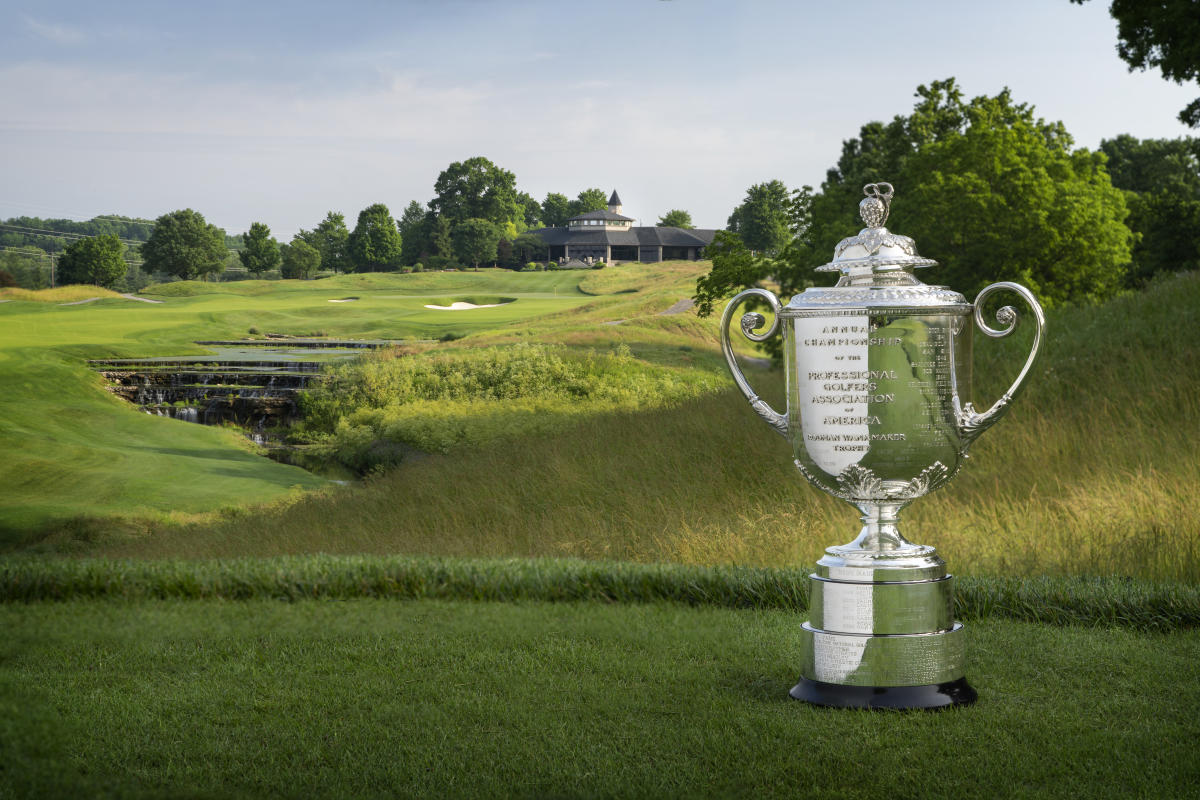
column 676, row 218
column 556, row 209
column 762, row 218
column 375, row 243
column 1161, row 181
column 1163, row 34
column 588, row 200
column 985, row 188
column 475, row 241
column 261, row 252
column 96, row 259
column 413, row 227
column 477, row 188
column 185, row 245
column 331, row 240
column 300, row 259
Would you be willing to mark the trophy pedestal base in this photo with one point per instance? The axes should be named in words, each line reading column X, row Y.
column 882, row 633
column 931, row 697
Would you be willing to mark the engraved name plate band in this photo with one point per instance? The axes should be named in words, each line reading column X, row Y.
column 878, row 371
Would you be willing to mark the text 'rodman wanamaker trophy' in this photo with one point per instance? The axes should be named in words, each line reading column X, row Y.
column 878, row 368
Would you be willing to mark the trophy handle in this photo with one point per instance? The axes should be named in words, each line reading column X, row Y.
column 749, row 323
column 970, row 422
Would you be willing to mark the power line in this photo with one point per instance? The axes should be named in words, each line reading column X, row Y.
column 27, row 231
column 82, row 217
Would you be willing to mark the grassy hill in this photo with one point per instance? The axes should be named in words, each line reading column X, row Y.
column 1090, row 474
column 79, row 461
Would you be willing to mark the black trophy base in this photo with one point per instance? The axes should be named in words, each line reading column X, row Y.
column 931, row 697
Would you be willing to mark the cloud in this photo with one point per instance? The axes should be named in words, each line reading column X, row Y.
column 59, row 34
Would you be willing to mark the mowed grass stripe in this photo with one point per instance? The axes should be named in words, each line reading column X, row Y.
column 371, row 698
column 1121, row 602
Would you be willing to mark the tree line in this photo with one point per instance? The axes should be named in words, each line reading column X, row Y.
column 477, row 216
column 991, row 192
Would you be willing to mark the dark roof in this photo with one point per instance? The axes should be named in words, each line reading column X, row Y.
column 645, row 237
column 604, row 214
column 615, row 200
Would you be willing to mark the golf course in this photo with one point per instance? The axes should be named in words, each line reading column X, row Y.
column 539, row 545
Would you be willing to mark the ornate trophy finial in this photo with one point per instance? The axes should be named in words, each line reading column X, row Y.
column 874, row 209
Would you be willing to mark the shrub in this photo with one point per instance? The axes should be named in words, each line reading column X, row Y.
column 438, row 401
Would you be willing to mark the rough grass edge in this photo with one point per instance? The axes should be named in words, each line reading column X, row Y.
column 1095, row 601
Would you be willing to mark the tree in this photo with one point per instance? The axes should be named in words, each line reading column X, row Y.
column 1161, row 181
column 588, row 200
column 1163, row 34
column 260, row 252
column 532, row 209
column 676, row 218
column 762, row 219
column 332, row 241
column 300, row 260
column 475, row 241
column 185, row 245
column 985, row 188
column 528, row 247
column 96, row 260
column 413, row 227
column 556, row 209
column 476, row 188
column 30, row 266
column 375, row 243
column 441, row 244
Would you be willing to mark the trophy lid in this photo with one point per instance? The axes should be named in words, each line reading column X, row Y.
column 876, row 269
column 875, row 249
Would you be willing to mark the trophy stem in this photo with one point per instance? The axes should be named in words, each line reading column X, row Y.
column 880, row 532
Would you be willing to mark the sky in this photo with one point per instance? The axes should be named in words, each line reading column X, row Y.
column 279, row 112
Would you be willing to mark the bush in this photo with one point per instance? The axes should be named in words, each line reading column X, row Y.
column 440, row 262
column 438, row 401
column 418, row 267
column 599, row 265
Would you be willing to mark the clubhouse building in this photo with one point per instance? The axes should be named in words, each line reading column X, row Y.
column 609, row 236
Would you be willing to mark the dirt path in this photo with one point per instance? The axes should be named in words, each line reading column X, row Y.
column 679, row 307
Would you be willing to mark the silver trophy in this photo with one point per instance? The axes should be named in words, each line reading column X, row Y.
column 878, row 367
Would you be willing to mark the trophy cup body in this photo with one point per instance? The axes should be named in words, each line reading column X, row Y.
column 877, row 371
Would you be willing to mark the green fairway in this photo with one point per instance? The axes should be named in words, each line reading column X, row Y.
column 378, row 698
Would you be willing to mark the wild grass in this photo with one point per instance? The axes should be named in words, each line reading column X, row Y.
column 1092, row 473
column 377, row 698
column 435, row 401
column 59, row 294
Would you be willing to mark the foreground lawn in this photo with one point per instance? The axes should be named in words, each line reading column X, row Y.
column 384, row 698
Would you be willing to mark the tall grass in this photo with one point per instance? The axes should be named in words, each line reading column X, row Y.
column 1093, row 472
column 434, row 401
column 59, row 294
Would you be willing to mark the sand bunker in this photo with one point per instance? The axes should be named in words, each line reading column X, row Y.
column 460, row 306
column 344, row 300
